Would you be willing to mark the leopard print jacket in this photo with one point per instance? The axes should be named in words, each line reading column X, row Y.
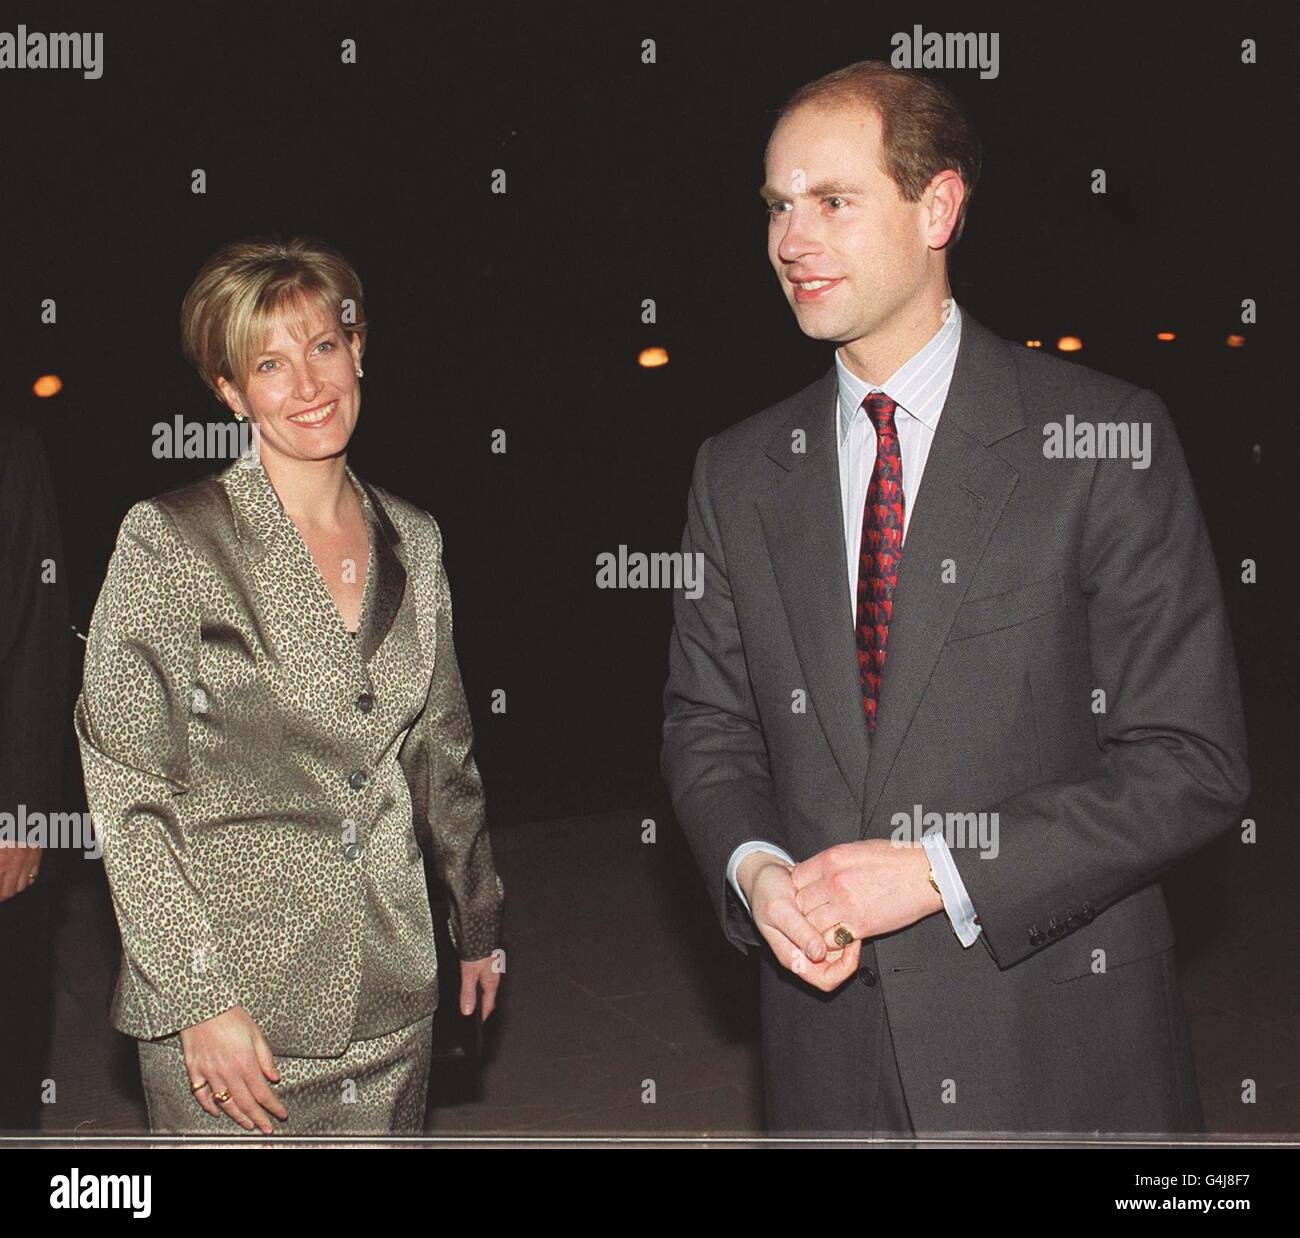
column 262, row 780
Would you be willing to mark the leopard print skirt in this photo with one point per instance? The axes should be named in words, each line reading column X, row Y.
column 375, row 1087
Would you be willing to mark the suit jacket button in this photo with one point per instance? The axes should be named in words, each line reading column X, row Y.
column 1087, row 915
column 353, row 851
column 1036, row 937
column 1072, row 921
column 1054, row 929
column 867, row 976
column 357, row 779
column 365, row 702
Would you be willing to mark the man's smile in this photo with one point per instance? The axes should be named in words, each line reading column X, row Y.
column 816, row 289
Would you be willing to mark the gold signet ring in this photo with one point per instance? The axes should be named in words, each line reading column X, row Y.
column 842, row 935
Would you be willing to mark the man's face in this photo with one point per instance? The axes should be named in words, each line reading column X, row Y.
column 835, row 216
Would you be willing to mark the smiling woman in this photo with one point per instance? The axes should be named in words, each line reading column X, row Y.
column 272, row 706
column 277, row 331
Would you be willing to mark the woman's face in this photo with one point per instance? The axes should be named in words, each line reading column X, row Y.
column 302, row 394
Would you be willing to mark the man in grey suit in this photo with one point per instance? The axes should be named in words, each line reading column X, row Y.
column 959, row 686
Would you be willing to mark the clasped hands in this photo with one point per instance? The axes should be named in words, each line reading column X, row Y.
column 871, row 887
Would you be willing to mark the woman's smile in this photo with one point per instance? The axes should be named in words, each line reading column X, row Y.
column 314, row 418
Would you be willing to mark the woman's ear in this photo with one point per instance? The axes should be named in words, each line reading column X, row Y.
column 355, row 342
column 229, row 395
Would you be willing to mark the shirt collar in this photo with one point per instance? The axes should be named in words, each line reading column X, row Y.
column 919, row 386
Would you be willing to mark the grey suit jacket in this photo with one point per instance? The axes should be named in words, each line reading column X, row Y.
column 1027, row 585
column 262, row 778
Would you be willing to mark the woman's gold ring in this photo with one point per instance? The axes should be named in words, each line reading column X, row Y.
column 221, row 1097
column 198, row 1087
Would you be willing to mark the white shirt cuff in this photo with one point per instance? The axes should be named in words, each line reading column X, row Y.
column 748, row 849
column 956, row 901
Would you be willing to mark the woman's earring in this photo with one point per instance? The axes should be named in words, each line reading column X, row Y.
column 360, row 371
column 239, row 416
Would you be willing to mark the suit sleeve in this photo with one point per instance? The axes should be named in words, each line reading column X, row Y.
column 34, row 633
column 1172, row 770
column 447, row 792
column 714, row 757
column 132, row 723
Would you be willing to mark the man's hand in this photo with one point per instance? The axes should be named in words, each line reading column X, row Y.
column 795, row 940
column 229, row 1053
column 872, row 887
column 19, row 865
column 474, row 975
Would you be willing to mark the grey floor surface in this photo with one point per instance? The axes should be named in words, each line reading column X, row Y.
column 619, row 988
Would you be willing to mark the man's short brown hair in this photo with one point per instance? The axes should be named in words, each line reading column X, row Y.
column 924, row 129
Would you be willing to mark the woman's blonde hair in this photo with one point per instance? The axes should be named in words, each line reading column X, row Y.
column 229, row 307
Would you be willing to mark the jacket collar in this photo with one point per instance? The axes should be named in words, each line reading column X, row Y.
column 983, row 398
column 260, row 518
column 265, row 531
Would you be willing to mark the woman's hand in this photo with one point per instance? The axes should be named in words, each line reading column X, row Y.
column 19, row 865
column 230, row 1054
column 476, row 974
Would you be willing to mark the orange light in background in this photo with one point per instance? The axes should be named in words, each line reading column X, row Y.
column 1165, row 336
column 1033, row 343
column 652, row 358
column 1069, row 343
column 1236, row 341
column 47, row 385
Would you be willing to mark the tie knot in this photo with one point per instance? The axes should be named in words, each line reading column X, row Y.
column 880, row 408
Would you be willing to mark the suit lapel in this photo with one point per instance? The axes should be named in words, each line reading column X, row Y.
column 271, row 542
column 387, row 583
column 804, row 530
column 964, row 490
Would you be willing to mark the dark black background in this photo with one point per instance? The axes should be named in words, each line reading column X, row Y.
column 628, row 181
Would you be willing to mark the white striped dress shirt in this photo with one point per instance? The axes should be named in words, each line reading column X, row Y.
column 919, row 387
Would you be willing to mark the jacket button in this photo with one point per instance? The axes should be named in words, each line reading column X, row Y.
column 1036, row 936
column 1087, row 915
column 867, row 976
column 1072, row 921
column 1054, row 929
column 357, row 779
column 365, row 702
column 353, row 851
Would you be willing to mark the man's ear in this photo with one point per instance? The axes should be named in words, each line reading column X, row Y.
column 944, row 197
column 229, row 395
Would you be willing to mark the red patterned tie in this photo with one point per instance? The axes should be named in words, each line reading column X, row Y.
column 881, row 552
